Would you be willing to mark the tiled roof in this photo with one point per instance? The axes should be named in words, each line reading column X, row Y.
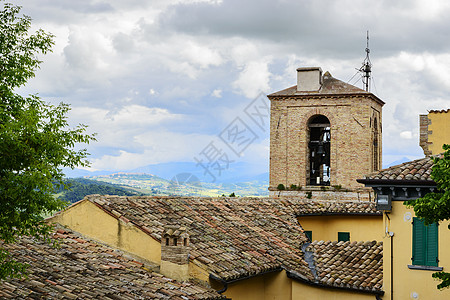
column 356, row 265
column 330, row 86
column 232, row 238
column 82, row 269
column 328, row 207
column 412, row 171
column 440, row 111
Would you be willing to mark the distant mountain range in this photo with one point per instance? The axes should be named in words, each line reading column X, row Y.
column 175, row 178
column 236, row 172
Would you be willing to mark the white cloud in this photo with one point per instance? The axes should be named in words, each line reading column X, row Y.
column 140, row 70
column 157, row 147
column 253, row 79
column 201, row 55
column 217, row 93
column 406, row 135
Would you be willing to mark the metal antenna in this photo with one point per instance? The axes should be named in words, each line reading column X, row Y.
column 366, row 67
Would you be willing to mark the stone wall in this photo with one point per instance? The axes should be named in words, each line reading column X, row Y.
column 352, row 133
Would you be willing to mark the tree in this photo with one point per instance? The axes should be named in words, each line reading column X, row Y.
column 435, row 207
column 35, row 139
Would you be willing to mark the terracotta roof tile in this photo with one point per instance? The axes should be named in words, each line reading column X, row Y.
column 80, row 268
column 439, row 111
column 232, row 238
column 329, row 207
column 416, row 170
column 330, row 85
column 355, row 265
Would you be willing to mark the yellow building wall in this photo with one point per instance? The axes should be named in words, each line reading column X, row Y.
column 270, row 286
column 408, row 281
column 303, row 291
column 440, row 124
column 91, row 221
column 277, row 286
column 326, row 228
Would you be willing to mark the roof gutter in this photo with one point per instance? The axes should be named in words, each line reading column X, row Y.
column 391, row 182
column 225, row 283
column 375, row 214
column 295, row 276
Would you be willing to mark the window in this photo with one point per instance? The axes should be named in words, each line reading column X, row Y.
column 308, row 234
column 343, row 236
column 425, row 244
column 319, row 150
column 375, row 166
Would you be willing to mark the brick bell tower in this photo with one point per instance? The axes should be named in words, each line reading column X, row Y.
column 324, row 134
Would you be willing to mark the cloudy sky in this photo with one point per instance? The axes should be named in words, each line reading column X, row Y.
column 159, row 80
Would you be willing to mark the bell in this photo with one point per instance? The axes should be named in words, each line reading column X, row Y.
column 320, row 149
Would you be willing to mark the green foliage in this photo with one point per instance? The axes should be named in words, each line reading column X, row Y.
column 74, row 190
column 35, row 141
column 281, row 187
column 337, row 187
column 232, row 195
column 293, row 187
column 435, row 207
column 309, row 195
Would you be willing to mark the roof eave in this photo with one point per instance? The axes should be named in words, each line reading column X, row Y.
column 295, row 276
column 319, row 95
column 391, row 182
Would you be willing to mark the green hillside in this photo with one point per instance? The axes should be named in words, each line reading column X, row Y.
column 151, row 184
column 78, row 188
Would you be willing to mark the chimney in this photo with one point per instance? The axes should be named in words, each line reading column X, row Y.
column 309, row 79
column 175, row 253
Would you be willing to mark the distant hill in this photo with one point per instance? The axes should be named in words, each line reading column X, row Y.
column 184, row 186
column 236, row 172
column 80, row 187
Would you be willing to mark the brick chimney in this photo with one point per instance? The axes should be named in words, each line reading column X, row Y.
column 175, row 253
column 309, row 79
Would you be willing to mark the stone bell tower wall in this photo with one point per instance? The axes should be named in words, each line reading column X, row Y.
column 352, row 150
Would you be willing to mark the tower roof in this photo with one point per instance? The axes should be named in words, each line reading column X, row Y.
column 330, row 86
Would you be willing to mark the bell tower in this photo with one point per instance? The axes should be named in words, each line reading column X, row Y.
column 324, row 134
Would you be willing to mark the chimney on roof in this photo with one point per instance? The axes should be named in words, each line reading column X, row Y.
column 175, row 253
column 309, row 79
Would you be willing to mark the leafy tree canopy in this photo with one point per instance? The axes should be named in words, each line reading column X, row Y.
column 35, row 139
column 435, row 207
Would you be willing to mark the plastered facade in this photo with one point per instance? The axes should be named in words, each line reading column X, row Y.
column 397, row 252
column 434, row 131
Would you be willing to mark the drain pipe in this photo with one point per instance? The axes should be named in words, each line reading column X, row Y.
column 391, row 234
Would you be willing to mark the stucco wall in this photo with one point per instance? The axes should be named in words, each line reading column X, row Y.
column 439, row 125
column 301, row 291
column 326, row 228
column 90, row 220
column 407, row 281
column 277, row 286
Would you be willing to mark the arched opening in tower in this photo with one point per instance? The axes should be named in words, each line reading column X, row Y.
column 319, row 150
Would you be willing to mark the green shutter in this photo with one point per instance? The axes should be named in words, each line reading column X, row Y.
column 343, row 236
column 432, row 245
column 308, row 233
column 418, row 246
column 425, row 244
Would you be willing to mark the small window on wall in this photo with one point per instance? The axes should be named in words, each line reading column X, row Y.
column 425, row 244
column 343, row 236
column 308, row 234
